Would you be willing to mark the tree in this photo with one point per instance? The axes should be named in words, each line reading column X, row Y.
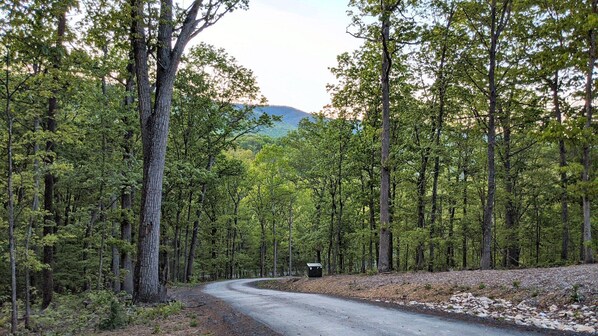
column 554, row 72
column 588, row 252
column 498, row 13
column 383, row 11
column 10, row 90
column 155, row 115
column 50, row 219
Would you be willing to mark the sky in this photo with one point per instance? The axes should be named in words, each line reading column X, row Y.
column 289, row 45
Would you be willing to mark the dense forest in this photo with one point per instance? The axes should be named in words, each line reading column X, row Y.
column 461, row 135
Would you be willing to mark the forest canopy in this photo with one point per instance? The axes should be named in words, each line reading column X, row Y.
column 461, row 135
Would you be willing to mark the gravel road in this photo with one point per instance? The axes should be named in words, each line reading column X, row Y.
column 314, row 314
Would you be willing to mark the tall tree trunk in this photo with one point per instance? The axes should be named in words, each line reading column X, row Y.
column 372, row 218
column 262, row 220
column 155, row 117
column 450, row 248
column 126, row 195
column 512, row 248
column 12, row 247
column 176, row 243
column 392, row 219
column 32, row 224
column 237, row 201
column 49, row 178
column 464, row 226
column 555, row 85
column 100, row 284
column 263, row 248
column 496, row 26
column 384, row 262
column 126, row 235
column 588, row 253
column 339, row 228
column 421, row 208
column 434, row 207
column 290, row 237
column 116, row 285
column 274, row 248
column 317, row 220
column 537, row 229
column 438, row 132
column 363, row 226
column 331, row 257
column 183, row 276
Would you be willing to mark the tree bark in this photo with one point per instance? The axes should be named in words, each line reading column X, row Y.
column 464, row 224
column 421, row 208
column 290, row 235
column 554, row 86
column 155, row 117
column 588, row 252
column 332, row 258
column 274, row 246
column 384, row 262
column 512, row 245
column 126, row 195
column 372, row 217
column 154, row 131
column 496, row 26
column 49, row 178
column 12, row 247
column 116, row 285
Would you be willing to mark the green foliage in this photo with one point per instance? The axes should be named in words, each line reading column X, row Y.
column 77, row 314
column 315, row 188
column 160, row 311
column 576, row 296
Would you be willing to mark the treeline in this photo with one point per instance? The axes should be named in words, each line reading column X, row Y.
column 460, row 135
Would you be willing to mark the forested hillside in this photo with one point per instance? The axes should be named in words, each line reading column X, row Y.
column 461, row 135
column 289, row 120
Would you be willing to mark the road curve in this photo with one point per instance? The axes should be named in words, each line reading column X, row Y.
column 314, row 314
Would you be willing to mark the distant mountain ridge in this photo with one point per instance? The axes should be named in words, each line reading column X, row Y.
column 290, row 119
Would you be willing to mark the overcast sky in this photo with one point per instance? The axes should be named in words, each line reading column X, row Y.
column 289, row 44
